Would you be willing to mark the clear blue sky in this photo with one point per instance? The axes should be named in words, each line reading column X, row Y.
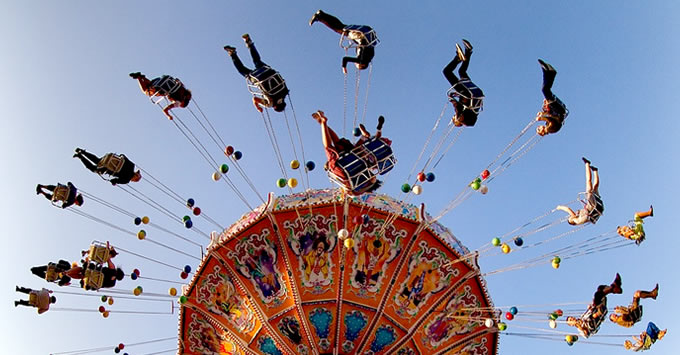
column 64, row 71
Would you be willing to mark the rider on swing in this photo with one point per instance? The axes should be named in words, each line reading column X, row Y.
column 589, row 323
column 167, row 86
column 554, row 111
column 273, row 95
column 118, row 166
column 466, row 97
column 67, row 194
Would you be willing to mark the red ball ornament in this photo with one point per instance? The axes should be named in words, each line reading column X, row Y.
column 509, row 316
column 229, row 150
column 559, row 312
column 121, row 346
column 196, row 211
column 136, row 271
column 485, row 174
column 101, row 309
column 421, row 176
column 183, row 275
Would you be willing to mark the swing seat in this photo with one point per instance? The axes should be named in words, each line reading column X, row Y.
column 596, row 202
column 468, row 94
column 164, row 86
column 265, row 82
column 52, row 274
column 98, row 253
column 555, row 109
column 355, row 36
column 361, row 164
column 112, row 163
column 93, row 279
column 593, row 319
column 32, row 298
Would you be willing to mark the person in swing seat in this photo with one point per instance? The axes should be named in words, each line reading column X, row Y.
column 466, row 98
column 589, row 323
column 273, row 97
column 171, row 88
column 554, row 111
column 118, row 166
column 66, row 194
column 593, row 206
column 365, row 47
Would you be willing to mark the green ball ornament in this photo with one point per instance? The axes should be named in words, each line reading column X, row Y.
column 281, row 182
column 405, row 188
column 496, row 242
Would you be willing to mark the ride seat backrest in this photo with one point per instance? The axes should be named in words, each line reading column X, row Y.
column 383, row 154
column 166, row 85
column 473, row 96
column 356, row 169
column 554, row 109
column 354, row 36
column 32, row 298
column 51, row 274
column 93, row 279
column 265, row 81
column 112, row 162
column 98, row 253
column 592, row 322
column 60, row 193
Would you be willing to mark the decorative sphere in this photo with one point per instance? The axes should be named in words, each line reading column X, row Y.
column 292, row 182
column 141, row 234
column 405, row 188
column 496, row 241
column 183, row 275
column 121, row 346
column 343, row 233
column 475, row 185
column 555, row 265
column 502, row 326
column 281, row 182
column 552, row 323
column 513, row 310
column 310, row 165
column 559, row 312
column 557, row 260
column 417, row 189
column 224, row 168
column 138, row 221
column 104, row 298
column 366, row 218
column 135, row 271
column 553, row 316
column 110, row 301
column 187, row 268
column 145, row 220
column 238, row 155
column 429, row 177
column 188, row 223
column 105, row 314
column 183, row 299
column 229, row 150
column 102, row 309
column 509, row 316
column 196, row 211
column 190, row 202
column 137, row 291
column 519, row 241
column 478, row 180
column 172, row 291
column 420, row 176
column 505, row 248
column 356, row 132
column 133, row 276
column 488, row 322
column 349, row 243
column 185, row 218
column 483, row 189
column 216, row 176
column 485, row 174
column 294, row 164
column 116, row 350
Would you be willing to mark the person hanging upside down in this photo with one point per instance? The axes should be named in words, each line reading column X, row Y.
column 118, row 166
column 554, row 111
column 54, row 272
column 363, row 37
column 466, row 97
column 593, row 207
column 66, row 194
column 590, row 321
column 628, row 316
column 646, row 338
column 636, row 231
column 39, row 299
column 336, row 146
column 167, row 86
column 266, row 79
